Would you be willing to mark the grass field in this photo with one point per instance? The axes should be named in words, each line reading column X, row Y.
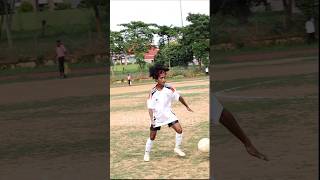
column 32, row 21
column 59, row 135
column 119, row 73
column 125, row 69
column 224, row 56
column 129, row 131
column 51, row 68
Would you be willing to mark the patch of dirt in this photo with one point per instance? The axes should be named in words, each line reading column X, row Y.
column 136, row 99
column 52, row 89
column 87, row 166
column 45, row 75
column 148, row 87
column 141, row 117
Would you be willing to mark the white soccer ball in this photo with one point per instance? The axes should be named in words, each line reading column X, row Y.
column 204, row 145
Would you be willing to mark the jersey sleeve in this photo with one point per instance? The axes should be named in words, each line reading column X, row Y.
column 150, row 101
column 175, row 95
column 216, row 109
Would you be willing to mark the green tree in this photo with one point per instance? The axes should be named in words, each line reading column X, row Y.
column 201, row 51
column 116, row 45
column 116, row 42
column 308, row 7
column 174, row 53
column 236, row 8
column 25, row 7
column 241, row 9
column 196, row 36
column 95, row 5
column 167, row 34
column 138, row 37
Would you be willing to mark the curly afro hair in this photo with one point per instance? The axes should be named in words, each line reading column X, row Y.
column 156, row 70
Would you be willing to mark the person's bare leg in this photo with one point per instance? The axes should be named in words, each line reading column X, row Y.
column 153, row 135
column 228, row 120
column 177, row 127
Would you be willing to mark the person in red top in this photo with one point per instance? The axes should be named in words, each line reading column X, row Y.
column 60, row 56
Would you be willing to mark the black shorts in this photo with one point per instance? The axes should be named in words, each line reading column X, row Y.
column 158, row 128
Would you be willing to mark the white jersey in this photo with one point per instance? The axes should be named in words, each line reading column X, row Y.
column 310, row 26
column 216, row 109
column 160, row 103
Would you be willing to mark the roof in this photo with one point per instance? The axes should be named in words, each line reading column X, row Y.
column 151, row 53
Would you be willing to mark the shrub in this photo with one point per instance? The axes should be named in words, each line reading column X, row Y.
column 40, row 60
column 86, row 58
column 25, row 7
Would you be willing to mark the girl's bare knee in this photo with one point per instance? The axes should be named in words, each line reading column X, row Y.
column 152, row 137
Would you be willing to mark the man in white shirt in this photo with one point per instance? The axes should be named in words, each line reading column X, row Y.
column 159, row 107
column 310, row 30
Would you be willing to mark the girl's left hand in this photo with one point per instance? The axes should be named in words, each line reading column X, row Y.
column 189, row 109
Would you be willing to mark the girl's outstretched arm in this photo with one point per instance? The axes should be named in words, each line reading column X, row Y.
column 228, row 120
column 185, row 104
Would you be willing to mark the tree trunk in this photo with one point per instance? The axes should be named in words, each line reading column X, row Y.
column 200, row 63
column 169, row 58
column 287, row 4
column 112, row 63
column 12, row 5
column 98, row 18
column 51, row 5
column 43, row 28
column 1, row 26
column 35, row 4
column 6, row 24
column 7, row 28
column 266, row 5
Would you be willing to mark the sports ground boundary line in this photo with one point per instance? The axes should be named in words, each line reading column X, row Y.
column 268, row 62
column 221, row 93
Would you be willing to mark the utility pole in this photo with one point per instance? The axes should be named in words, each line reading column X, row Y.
column 181, row 13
